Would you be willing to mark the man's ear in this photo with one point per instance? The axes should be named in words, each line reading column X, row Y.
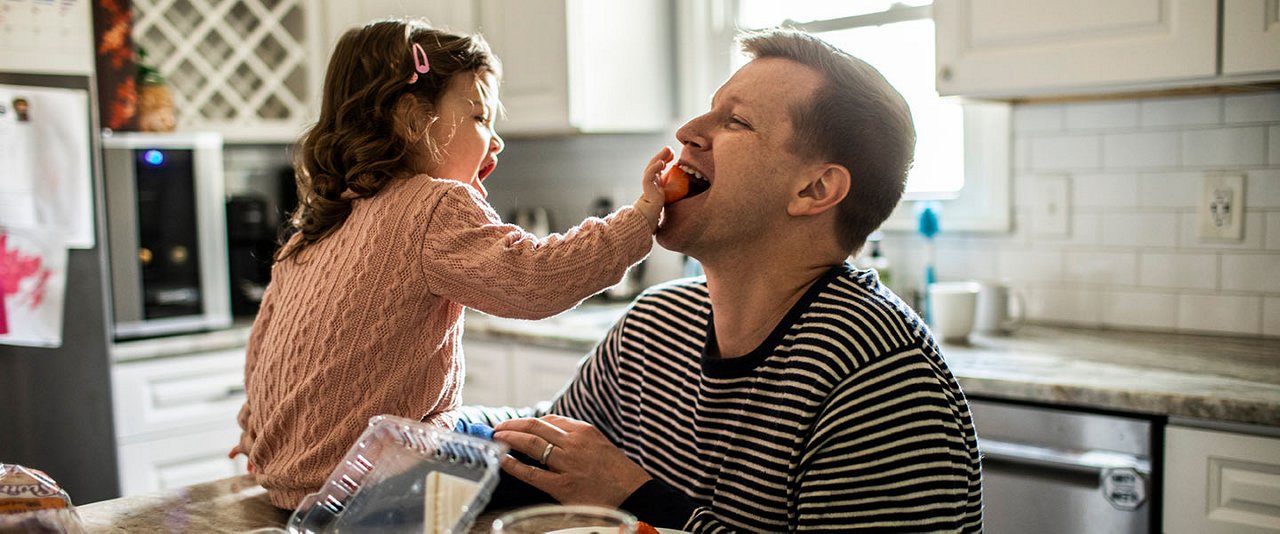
column 822, row 190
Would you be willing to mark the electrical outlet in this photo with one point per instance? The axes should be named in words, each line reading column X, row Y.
column 1050, row 213
column 1221, row 207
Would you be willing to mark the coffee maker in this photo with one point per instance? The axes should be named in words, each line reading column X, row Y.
column 251, row 244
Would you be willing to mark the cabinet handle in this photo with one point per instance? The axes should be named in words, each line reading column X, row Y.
column 944, row 73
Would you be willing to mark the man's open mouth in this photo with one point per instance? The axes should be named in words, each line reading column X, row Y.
column 698, row 183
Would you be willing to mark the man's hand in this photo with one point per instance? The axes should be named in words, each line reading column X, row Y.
column 583, row 467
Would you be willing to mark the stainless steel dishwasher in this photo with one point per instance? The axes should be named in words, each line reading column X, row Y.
column 1050, row 470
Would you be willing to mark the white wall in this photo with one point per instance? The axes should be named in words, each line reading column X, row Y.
column 1132, row 258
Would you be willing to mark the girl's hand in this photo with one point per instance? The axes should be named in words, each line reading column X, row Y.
column 652, row 198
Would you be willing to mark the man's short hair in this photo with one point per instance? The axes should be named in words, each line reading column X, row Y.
column 855, row 119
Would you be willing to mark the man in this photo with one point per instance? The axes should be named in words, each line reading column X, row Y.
column 786, row 391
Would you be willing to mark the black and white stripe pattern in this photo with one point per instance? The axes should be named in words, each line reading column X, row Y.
column 846, row 418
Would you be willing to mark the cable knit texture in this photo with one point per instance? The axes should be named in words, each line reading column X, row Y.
column 368, row 320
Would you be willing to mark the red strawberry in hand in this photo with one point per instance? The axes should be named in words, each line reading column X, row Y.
column 675, row 183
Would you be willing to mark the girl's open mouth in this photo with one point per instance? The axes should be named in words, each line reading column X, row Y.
column 486, row 169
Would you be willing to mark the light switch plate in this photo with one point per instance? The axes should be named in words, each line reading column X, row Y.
column 1221, row 207
column 1051, row 209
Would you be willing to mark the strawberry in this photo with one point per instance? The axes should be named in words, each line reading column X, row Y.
column 675, row 183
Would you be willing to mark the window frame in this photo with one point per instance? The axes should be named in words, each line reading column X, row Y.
column 706, row 31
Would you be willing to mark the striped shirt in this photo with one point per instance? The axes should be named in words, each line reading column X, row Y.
column 845, row 418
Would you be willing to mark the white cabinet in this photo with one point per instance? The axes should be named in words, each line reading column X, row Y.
column 503, row 373
column 1220, row 482
column 1010, row 48
column 175, row 419
column 342, row 15
column 1250, row 36
column 244, row 69
column 582, row 66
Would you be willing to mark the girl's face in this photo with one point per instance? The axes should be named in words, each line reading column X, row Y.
column 464, row 133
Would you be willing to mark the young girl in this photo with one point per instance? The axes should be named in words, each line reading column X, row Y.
column 392, row 239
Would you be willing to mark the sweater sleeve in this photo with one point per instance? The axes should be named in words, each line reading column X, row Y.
column 476, row 260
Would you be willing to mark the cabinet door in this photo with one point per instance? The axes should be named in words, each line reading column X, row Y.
column 342, row 15
column 531, row 39
column 173, row 394
column 1029, row 47
column 541, row 373
column 178, row 461
column 488, row 377
column 1220, row 482
column 1250, row 36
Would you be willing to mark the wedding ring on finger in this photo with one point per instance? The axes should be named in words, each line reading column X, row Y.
column 546, row 453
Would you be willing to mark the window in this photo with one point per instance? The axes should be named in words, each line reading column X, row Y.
column 962, row 148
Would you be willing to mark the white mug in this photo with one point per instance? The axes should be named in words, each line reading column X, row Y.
column 952, row 306
column 1000, row 309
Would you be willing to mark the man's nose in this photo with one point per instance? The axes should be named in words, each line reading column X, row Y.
column 691, row 134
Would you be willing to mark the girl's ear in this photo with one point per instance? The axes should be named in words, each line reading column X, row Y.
column 822, row 189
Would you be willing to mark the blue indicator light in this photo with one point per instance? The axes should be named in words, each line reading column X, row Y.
column 153, row 157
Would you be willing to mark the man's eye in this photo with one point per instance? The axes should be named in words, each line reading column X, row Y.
column 737, row 121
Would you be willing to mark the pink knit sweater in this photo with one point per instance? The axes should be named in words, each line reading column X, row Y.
column 368, row 320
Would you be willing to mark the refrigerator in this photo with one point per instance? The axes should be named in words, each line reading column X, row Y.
column 55, row 393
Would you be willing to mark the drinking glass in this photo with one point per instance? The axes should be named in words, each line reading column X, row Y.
column 565, row 519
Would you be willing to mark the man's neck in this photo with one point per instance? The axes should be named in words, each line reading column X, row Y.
column 750, row 301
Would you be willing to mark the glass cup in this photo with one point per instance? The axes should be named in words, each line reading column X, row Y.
column 565, row 519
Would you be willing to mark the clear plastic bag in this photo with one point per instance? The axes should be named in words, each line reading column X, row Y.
column 30, row 501
column 404, row 476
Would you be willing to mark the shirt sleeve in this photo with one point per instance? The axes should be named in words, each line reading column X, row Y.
column 476, row 260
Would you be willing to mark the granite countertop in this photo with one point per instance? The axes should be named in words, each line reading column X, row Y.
column 230, row 505
column 1218, row 379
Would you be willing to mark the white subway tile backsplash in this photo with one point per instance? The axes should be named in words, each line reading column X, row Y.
column 1178, row 271
column 1271, row 316
column 1258, row 273
column 1170, row 189
column 1224, row 146
column 1074, row 306
column 1254, row 228
column 1220, row 313
column 1038, row 118
column 1086, row 229
column 1030, row 265
column 1104, row 191
column 1273, row 153
column 1093, row 115
column 1191, row 111
column 1102, row 268
column 1065, row 152
column 1273, row 231
column 1262, row 189
column 1140, row 310
column 1140, row 229
column 1133, row 257
column 1258, row 107
column 1140, row 150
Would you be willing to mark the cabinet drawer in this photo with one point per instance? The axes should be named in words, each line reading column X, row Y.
column 1221, row 482
column 541, row 373
column 177, row 461
column 181, row 392
column 488, row 378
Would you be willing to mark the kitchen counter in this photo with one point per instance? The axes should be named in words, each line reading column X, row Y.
column 1219, row 379
column 230, row 505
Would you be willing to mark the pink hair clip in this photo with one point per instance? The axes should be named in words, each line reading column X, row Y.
column 421, row 65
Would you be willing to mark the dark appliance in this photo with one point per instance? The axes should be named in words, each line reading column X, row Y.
column 251, row 244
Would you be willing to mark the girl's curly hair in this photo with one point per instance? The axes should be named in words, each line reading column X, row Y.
column 368, row 132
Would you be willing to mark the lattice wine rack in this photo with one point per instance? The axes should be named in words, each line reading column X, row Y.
column 238, row 67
